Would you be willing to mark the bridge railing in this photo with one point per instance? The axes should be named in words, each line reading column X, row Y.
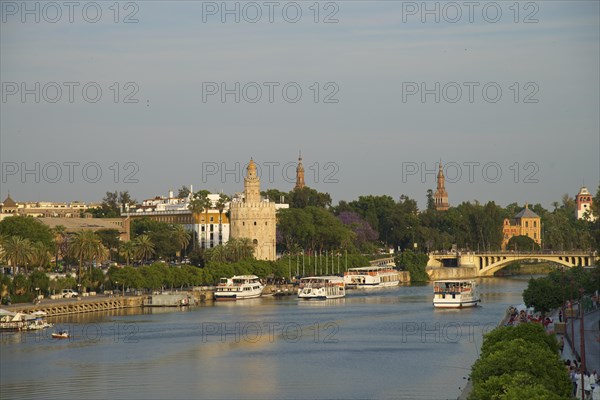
column 518, row 252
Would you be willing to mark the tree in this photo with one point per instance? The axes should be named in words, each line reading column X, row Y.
column 18, row 252
column 430, row 200
column 85, row 246
column 183, row 192
column 306, row 197
column 542, row 294
column 522, row 243
column 125, row 200
column 532, row 333
column 221, row 203
column 525, row 360
column 415, row 264
column 110, row 239
column 60, row 240
column 197, row 206
column 363, row 232
column 127, row 250
column 39, row 280
column 275, row 195
column 27, row 228
column 40, row 255
column 144, row 247
column 246, row 248
column 181, row 237
column 294, row 227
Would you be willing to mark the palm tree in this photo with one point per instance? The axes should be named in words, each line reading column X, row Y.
column 198, row 205
column 60, row 235
column 218, row 254
column 246, row 248
column 144, row 247
column 40, row 255
column 223, row 199
column 85, row 246
column 127, row 250
column 17, row 251
column 181, row 236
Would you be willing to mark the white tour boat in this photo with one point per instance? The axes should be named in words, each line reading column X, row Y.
column 239, row 287
column 371, row 277
column 455, row 293
column 321, row 287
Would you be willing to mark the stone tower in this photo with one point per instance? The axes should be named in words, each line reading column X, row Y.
column 584, row 204
column 253, row 217
column 299, row 174
column 441, row 196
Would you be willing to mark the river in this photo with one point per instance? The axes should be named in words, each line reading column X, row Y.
column 384, row 343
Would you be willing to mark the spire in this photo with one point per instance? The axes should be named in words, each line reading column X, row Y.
column 299, row 173
column 441, row 180
column 251, row 184
column 441, row 196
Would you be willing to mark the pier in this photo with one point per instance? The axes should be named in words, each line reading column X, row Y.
column 90, row 304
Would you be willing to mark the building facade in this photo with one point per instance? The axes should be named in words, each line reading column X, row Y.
column 440, row 197
column 253, row 217
column 584, row 205
column 70, row 215
column 210, row 227
column 43, row 209
column 525, row 223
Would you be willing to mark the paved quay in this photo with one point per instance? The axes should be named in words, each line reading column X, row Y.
column 591, row 337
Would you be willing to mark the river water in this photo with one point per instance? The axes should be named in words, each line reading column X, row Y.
column 384, row 343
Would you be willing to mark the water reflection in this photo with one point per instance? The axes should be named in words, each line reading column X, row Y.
column 389, row 343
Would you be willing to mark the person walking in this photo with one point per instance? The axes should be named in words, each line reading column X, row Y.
column 562, row 344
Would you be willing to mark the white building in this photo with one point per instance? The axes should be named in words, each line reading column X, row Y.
column 584, row 204
column 210, row 228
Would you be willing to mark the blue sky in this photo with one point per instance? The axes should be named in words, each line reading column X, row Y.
column 361, row 144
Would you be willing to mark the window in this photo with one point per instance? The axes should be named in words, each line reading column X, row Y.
column 212, row 219
column 526, row 224
column 535, row 224
column 254, row 223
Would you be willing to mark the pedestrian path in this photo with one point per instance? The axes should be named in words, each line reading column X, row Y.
column 591, row 336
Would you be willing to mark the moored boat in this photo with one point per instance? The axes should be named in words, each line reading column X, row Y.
column 371, row 277
column 321, row 287
column 455, row 293
column 239, row 287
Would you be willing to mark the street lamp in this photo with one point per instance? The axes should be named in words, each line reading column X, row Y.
column 582, row 341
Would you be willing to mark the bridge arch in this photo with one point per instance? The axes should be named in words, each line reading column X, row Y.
column 566, row 261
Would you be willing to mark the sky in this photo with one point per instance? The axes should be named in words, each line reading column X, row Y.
column 148, row 96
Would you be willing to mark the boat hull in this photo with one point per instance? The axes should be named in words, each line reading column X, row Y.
column 456, row 304
column 226, row 296
column 321, row 297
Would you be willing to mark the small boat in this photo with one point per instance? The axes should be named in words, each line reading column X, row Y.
column 239, row 287
column 61, row 335
column 371, row 277
column 321, row 287
column 455, row 293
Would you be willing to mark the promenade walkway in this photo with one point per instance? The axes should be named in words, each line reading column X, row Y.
column 592, row 340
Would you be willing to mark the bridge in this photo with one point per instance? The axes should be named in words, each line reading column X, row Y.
column 487, row 263
column 383, row 262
